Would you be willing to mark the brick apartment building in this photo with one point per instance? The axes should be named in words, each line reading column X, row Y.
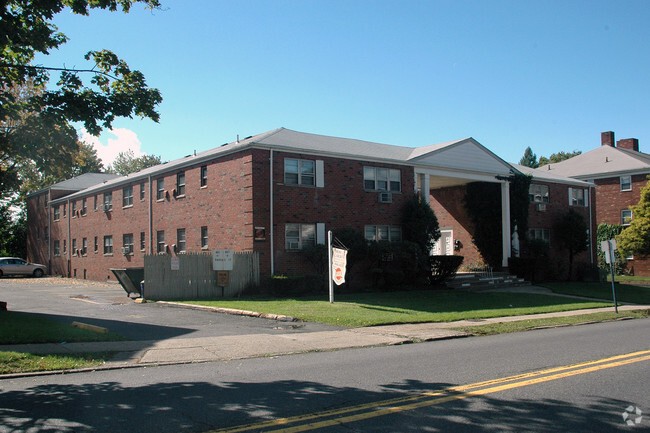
column 272, row 193
column 618, row 171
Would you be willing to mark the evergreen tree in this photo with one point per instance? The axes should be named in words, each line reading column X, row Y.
column 529, row 159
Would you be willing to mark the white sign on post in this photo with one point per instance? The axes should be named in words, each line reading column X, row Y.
column 609, row 253
column 222, row 260
column 339, row 260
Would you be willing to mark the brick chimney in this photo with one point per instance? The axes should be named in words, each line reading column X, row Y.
column 607, row 138
column 628, row 143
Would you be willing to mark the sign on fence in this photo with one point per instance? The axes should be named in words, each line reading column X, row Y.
column 222, row 260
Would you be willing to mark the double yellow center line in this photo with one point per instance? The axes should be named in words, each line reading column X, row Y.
column 361, row 412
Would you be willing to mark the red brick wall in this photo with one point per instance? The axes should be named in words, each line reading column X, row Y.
column 341, row 203
column 448, row 205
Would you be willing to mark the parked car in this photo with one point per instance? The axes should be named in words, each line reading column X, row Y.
column 16, row 266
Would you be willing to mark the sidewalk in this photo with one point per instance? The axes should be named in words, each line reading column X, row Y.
column 188, row 350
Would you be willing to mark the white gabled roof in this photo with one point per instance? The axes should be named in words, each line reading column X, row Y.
column 604, row 161
column 543, row 174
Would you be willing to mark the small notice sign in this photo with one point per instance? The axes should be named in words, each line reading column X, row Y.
column 339, row 260
column 176, row 265
column 222, row 260
column 222, row 278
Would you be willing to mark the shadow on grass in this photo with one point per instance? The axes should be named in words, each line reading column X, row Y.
column 199, row 406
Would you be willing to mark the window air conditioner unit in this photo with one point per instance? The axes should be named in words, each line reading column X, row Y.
column 125, row 250
column 102, row 207
column 541, row 207
column 174, row 192
column 294, row 245
column 385, row 197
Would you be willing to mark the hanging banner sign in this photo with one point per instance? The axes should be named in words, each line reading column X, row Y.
column 339, row 260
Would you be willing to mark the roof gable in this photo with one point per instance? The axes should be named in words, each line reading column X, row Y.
column 601, row 162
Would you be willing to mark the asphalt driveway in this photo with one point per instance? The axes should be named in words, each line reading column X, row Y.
column 107, row 305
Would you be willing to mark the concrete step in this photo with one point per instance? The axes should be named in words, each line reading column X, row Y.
column 482, row 281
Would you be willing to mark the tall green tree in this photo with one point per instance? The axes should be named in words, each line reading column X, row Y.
column 35, row 121
column 127, row 163
column 571, row 232
column 529, row 159
column 635, row 238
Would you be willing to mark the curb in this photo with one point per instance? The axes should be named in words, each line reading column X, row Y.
column 233, row 311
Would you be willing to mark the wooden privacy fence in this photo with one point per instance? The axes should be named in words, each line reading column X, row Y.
column 192, row 277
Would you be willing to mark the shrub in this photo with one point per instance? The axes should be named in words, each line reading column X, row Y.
column 444, row 267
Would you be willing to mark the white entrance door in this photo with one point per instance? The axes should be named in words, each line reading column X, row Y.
column 445, row 245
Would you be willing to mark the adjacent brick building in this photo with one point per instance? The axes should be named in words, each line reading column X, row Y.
column 618, row 170
column 273, row 194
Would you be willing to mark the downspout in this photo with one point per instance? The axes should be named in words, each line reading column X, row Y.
column 150, row 219
column 49, row 231
column 591, row 228
column 69, row 237
column 271, row 212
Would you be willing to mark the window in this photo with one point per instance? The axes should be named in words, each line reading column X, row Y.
column 577, row 197
column 95, row 203
column 540, row 234
column 84, row 246
column 160, row 189
column 108, row 244
column 127, row 243
column 84, row 206
column 74, row 246
column 142, row 191
column 73, row 208
column 626, row 183
column 180, row 241
column 143, row 244
column 626, row 217
column 299, row 236
column 382, row 179
column 204, row 237
column 299, row 172
column 204, row 176
column 127, row 196
column 57, row 212
column 383, row 233
column 160, row 241
column 538, row 193
column 65, row 247
column 64, row 210
column 96, row 244
column 45, row 200
column 46, row 234
column 180, row 184
column 57, row 248
column 108, row 201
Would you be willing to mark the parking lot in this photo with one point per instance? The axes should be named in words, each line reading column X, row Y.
column 107, row 305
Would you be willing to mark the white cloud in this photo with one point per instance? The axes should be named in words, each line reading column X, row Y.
column 124, row 140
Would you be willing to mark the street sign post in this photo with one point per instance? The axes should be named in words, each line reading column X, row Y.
column 608, row 248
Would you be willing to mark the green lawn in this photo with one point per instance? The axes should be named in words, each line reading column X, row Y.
column 14, row 362
column 21, row 328
column 368, row 309
column 624, row 292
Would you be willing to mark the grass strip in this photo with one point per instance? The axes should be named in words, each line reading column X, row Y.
column 526, row 325
column 634, row 294
column 25, row 328
column 370, row 309
column 15, row 362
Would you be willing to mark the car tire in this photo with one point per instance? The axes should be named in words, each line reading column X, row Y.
column 38, row 273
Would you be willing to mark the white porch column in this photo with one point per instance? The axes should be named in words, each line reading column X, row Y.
column 505, row 221
column 423, row 185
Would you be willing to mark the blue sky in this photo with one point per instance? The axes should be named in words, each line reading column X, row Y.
column 551, row 75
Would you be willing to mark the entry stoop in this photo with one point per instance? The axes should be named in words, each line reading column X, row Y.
column 471, row 281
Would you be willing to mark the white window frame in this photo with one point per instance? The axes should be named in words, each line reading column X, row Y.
column 538, row 193
column 540, row 234
column 108, row 245
column 382, row 232
column 204, row 237
column 143, row 243
column 625, row 219
column 626, row 183
column 574, row 200
column 181, row 241
column 57, row 248
column 108, row 200
column 204, row 175
column 160, row 241
column 180, row 184
column 299, row 236
column 127, row 196
column 57, row 213
column 303, row 178
column 382, row 179
column 160, row 189
column 127, row 242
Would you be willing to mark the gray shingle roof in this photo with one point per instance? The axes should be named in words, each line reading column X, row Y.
column 604, row 161
column 543, row 174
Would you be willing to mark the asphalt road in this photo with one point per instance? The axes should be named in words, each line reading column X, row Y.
column 384, row 389
column 107, row 305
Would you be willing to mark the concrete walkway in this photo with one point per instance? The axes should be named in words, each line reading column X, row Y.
column 188, row 350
